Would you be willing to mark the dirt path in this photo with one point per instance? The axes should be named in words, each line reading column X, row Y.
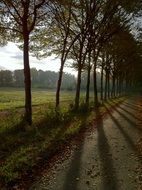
column 106, row 159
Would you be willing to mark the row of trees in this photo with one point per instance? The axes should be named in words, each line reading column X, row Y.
column 94, row 34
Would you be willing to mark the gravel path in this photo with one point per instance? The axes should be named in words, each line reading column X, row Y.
column 106, row 159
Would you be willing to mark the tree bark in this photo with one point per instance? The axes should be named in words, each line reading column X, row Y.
column 77, row 97
column 88, row 80
column 59, row 84
column 95, row 57
column 27, row 80
column 113, row 85
column 117, row 86
column 95, row 85
column 108, row 78
column 105, row 96
column 102, row 78
column 81, row 60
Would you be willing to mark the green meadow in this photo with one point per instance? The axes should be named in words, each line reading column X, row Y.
column 14, row 98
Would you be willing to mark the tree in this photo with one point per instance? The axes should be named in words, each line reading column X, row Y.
column 20, row 17
column 56, row 38
column 63, row 21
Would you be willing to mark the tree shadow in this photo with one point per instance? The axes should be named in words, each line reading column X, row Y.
column 128, row 112
column 73, row 174
column 12, row 139
column 108, row 171
column 132, row 123
column 126, row 136
column 15, row 140
column 131, row 106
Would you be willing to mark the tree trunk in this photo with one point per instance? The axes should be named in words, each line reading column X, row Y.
column 105, row 96
column 80, row 64
column 59, row 84
column 118, row 86
column 95, row 56
column 27, row 80
column 95, row 86
column 102, row 77
column 88, row 80
column 77, row 97
column 108, row 78
column 113, row 86
column 102, row 82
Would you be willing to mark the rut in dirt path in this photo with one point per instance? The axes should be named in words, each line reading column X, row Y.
column 106, row 159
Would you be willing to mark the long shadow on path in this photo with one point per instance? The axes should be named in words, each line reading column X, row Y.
column 128, row 119
column 129, row 113
column 73, row 175
column 126, row 136
column 109, row 178
column 131, row 106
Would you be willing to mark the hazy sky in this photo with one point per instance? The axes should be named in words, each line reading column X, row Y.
column 11, row 58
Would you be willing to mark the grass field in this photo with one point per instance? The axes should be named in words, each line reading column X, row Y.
column 14, row 98
column 12, row 104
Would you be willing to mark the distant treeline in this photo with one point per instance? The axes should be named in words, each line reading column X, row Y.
column 39, row 79
column 42, row 79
